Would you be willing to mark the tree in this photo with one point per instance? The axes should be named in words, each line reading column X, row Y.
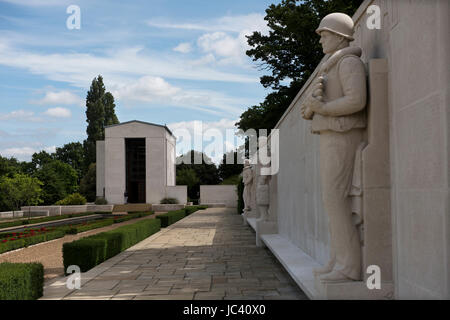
column 206, row 172
column 59, row 180
column 100, row 111
column 20, row 190
column 110, row 114
column 227, row 170
column 38, row 159
column 188, row 177
column 88, row 187
column 8, row 167
column 290, row 53
column 72, row 154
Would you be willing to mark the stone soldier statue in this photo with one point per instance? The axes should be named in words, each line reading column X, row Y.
column 336, row 107
column 247, row 175
column 263, row 197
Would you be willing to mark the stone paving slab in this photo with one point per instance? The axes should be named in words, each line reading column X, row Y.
column 209, row 255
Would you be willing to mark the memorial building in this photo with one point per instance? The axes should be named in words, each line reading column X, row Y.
column 136, row 164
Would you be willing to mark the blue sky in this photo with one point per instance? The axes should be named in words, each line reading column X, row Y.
column 167, row 62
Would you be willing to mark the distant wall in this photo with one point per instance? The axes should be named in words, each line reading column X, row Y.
column 177, row 192
column 59, row 210
column 226, row 194
column 100, row 168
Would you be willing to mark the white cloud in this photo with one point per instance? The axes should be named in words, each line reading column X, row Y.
column 226, row 37
column 157, row 90
column 147, row 89
column 39, row 3
column 253, row 22
column 24, row 153
column 20, row 115
column 60, row 97
column 117, row 66
column 229, row 49
column 58, row 113
column 184, row 47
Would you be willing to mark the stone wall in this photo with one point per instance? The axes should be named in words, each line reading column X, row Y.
column 413, row 39
column 177, row 192
column 226, row 194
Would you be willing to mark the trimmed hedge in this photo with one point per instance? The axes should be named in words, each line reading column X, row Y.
column 21, row 281
column 91, row 251
column 82, row 228
column 131, row 216
column 191, row 209
column 171, row 217
column 12, row 245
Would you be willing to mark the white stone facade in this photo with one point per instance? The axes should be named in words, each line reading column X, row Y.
column 159, row 162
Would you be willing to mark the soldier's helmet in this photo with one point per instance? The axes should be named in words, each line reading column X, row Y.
column 338, row 23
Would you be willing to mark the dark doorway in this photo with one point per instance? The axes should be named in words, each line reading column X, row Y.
column 135, row 170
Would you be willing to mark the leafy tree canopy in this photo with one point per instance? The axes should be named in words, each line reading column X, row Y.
column 100, row 112
column 289, row 53
column 19, row 190
column 8, row 167
column 88, row 186
column 206, row 172
column 72, row 154
column 227, row 169
column 59, row 180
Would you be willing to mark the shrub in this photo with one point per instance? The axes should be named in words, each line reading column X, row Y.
column 171, row 217
column 34, row 240
column 21, row 281
column 191, row 209
column 54, row 235
column 240, row 192
column 91, row 251
column 101, row 201
column 12, row 245
column 10, row 224
column 72, row 200
column 74, row 229
column 85, row 253
column 94, row 225
column 169, row 201
column 131, row 216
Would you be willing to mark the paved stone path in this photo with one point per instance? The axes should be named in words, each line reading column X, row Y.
column 207, row 255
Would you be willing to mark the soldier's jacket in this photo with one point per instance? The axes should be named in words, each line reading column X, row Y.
column 345, row 92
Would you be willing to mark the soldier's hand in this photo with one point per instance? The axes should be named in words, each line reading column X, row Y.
column 313, row 104
column 307, row 114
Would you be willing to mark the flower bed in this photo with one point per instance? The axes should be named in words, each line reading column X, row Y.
column 17, row 240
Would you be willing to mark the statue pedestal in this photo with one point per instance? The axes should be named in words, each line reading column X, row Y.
column 247, row 214
column 264, row 227
column 352, row 290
